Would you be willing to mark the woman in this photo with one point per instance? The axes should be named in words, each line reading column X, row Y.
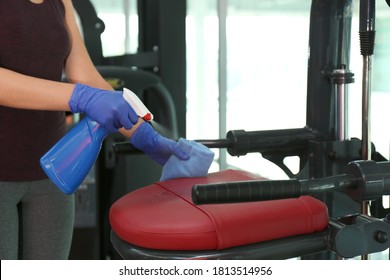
column 40, row 40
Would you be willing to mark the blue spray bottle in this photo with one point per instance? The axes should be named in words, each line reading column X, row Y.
column 68, row 162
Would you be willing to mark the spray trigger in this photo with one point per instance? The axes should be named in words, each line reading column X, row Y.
column 139, row 107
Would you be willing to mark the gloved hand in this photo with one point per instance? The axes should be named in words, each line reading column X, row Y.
column 108, row 108
column 158, row 147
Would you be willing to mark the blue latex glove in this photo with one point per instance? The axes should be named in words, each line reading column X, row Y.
column 158, row 147
column 108, row 108
column 197, row 165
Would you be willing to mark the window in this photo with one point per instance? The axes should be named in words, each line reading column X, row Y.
column 265, row 75
column 121, row 26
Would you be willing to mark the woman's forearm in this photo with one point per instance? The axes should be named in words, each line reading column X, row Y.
column 25, row 92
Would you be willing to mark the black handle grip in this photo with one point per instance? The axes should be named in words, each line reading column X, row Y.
column 246, row 191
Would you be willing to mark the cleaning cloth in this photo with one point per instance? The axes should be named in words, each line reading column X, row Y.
column 197, row 165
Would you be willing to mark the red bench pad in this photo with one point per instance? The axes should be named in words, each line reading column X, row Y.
column 162, row 216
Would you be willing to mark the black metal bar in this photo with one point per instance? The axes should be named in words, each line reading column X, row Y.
column 162, row 29
column 241, row 142
column 123, row 148
column 329, row 46
column 279, row 249
column 216, row 143
column 148, row 59
column 92, row 27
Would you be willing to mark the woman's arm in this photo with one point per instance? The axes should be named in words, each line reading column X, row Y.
column 25, row 92
column 79, row 67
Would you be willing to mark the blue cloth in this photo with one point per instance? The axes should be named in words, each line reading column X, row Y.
column 197, row 165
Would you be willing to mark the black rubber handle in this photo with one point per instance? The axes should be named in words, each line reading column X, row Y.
column 246, row 191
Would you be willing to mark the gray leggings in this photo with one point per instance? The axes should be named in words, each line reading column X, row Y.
column 36, row 221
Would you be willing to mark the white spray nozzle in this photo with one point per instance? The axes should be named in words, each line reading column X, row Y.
column 140, row 109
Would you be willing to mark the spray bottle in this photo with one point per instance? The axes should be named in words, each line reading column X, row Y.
column 68, row 162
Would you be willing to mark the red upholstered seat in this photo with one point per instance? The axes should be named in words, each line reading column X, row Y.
column 162, row 216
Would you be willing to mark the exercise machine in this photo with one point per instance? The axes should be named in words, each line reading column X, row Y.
column 331, row 209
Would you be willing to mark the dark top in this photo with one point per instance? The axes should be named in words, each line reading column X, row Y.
column 33, row 41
